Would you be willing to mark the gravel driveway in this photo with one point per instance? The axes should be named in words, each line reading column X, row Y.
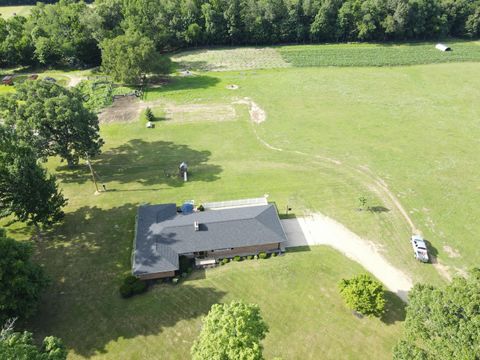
column 318, row 229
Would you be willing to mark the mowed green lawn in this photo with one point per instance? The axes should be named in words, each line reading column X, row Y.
column 416, row 127
column 297, row 294
column 9, row 11
column 90, row 252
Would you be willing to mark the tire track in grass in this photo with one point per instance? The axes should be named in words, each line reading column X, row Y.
column 372, row 182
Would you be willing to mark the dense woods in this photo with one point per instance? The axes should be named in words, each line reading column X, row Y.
column 70, row 32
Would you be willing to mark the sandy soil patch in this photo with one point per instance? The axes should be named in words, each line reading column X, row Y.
column 318, row 229
column 129, row 108
column 125, row 109
column 75, row 80
column 230, row 59
column 200, row 112
column 257, row 114
column 451, row 252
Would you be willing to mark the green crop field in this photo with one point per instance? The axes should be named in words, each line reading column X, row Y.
column 415, row 127
column 9, row 11
column 379, row 55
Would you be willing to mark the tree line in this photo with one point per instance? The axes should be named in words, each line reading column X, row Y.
column 71, row 32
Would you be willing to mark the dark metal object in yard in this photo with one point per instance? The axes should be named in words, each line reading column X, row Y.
column 183, row 170
column 7, row 80
column 357, row 314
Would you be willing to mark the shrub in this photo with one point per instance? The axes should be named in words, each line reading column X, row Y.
column 132, row 286
column 274, row 254
column 250, row 257
column 130, row 279
column 201, row 208
column 237, row 258
column 185, row 263
column 149, row 115
column 262, row 255
column 125, row 291
column 363, row 294
column 224, row 261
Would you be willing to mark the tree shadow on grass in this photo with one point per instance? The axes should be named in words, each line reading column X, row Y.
column 87, row 257
column 378, row 209
column 146, row 163
column 185, row 83
column 394, row 309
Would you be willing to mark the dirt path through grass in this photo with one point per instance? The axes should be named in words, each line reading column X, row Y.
column 368, row 178
column 317, row 229
column 74, row 79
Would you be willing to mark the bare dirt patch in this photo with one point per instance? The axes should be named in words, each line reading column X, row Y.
column 451, row 252
column 230, row 59
column 125, row 109
column 75, row 80
column 199, row 112
column 257, row 114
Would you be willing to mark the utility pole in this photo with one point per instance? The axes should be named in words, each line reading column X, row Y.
column 93, row 175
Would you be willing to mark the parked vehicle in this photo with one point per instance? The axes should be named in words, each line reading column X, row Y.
column 420, row 248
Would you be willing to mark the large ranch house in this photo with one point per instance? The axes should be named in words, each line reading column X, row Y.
column 163, row 234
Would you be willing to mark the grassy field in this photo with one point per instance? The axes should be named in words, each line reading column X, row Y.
column 345, row 55
column 89, row 253
column 297, row 294
column 9, row 11
column 416, row 127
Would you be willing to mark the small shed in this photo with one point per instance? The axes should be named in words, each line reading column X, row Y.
column 7, row 80
column 442, row 47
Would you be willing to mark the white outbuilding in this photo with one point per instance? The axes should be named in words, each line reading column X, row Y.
column 442, row 47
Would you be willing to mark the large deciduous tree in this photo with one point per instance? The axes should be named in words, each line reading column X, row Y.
column 15, row 43
column 53, row 120
column 443, row 322
column 61, row 34
column 22, row 281
column 26, row 190
column 127, row 58
column 16, row 345
column 231, row 332
column 364, row 294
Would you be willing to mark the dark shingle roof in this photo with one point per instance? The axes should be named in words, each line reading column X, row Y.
column 162, row 234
